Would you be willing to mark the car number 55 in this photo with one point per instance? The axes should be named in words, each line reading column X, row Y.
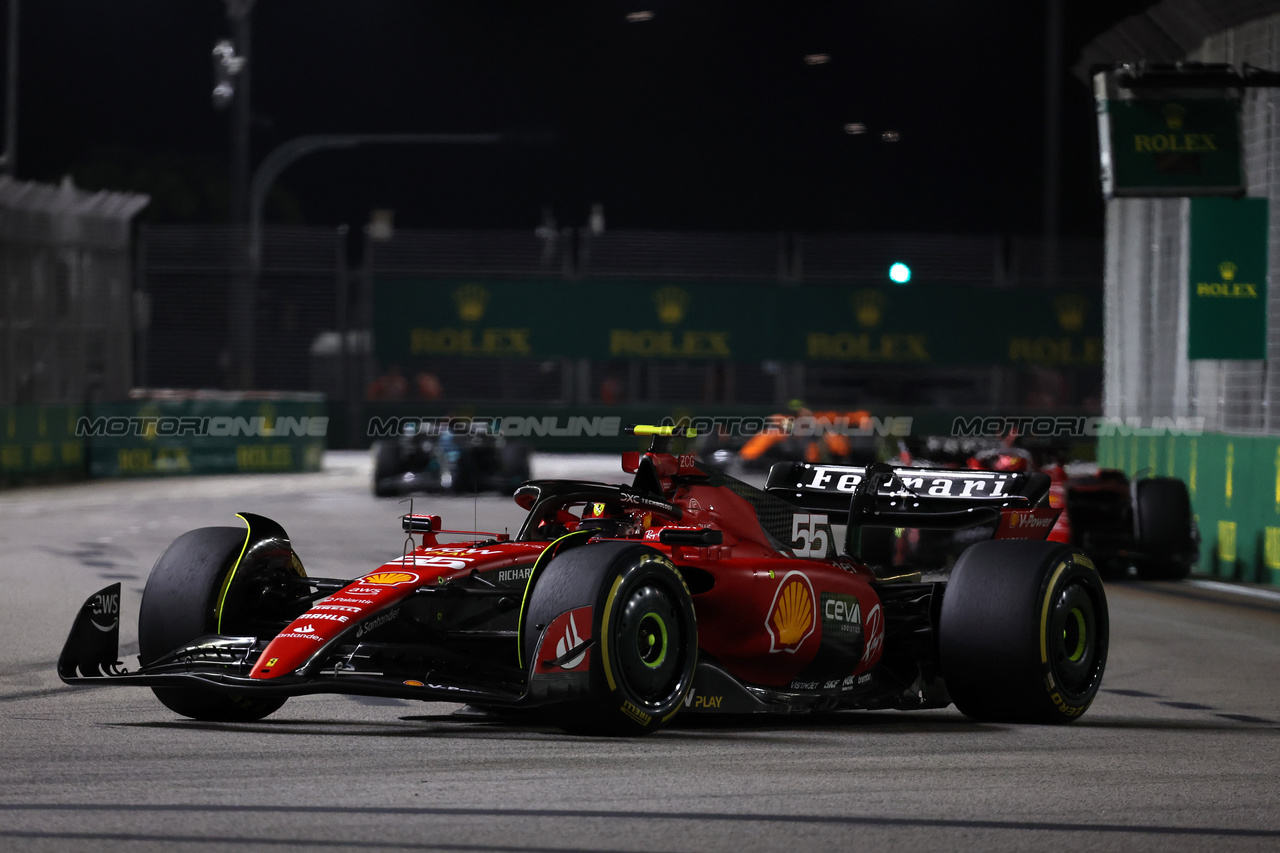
column 810, row 534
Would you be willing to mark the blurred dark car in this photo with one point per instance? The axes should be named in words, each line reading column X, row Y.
column 420, row 461
column 1146, row 523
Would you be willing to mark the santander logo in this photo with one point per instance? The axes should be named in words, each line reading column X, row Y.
column 570, row 640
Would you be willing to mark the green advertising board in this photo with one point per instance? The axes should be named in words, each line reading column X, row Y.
column 921, row 323
column 1227, row 306
column 175, row 437
column 1162, row 146
column 39, row 443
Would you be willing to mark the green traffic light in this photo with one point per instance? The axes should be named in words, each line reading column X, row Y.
column 899, row 273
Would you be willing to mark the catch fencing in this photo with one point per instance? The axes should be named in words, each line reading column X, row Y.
column 1147, row 372
column 66, row 293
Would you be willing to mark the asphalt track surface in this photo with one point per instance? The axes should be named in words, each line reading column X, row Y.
column 1181, row 750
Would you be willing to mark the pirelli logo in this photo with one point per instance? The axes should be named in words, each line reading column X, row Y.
column 635, row 713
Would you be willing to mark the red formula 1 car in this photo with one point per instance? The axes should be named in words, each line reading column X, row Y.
column 617, row 606
column 1145, row 526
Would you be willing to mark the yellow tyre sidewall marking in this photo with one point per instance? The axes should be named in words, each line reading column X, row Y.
column 1044, row 611
column 226, row 584
column 528, row 587
column 604, row 633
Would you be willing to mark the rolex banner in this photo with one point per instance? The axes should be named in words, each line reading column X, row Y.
column 1170, row 147
column 1227, row 317
column 947, row 324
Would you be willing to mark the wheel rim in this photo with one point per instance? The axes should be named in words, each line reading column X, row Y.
column 649, row 640
column 1075, row 638
column 1077, row 629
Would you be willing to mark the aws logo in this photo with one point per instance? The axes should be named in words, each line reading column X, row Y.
column 792, row 616
column 390, row 578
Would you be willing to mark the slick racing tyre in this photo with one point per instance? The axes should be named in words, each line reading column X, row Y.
column 1162, row 510
column 185, row 599
column 645, row 644
column 515, row 466
column 1023, row 632
column 386, row 468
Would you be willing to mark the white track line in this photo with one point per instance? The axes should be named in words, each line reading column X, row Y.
column 1236, row 589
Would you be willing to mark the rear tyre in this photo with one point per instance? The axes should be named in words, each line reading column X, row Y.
column 515, row 466
column 645, row 630
column 1023, row 633
column 182, row 602
column 1162, row 510
column 386, row 467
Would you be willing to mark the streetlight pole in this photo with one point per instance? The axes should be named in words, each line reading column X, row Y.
column 1052, row 145
column 231, row 73
column 238, row 12
column 9, row 159
column 265, row 176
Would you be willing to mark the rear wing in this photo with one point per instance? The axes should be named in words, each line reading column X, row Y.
column 881, row 495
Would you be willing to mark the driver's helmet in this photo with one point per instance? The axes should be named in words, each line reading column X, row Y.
column 1007, row 459
column 608, row 519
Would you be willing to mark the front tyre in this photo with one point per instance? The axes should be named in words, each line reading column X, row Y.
column 1023, row 633
column 185, row 598
column 643, row 660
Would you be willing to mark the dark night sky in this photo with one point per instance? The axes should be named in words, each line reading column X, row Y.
column 704, row 118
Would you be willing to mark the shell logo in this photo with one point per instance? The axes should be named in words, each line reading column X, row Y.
column 390, row 578
column 792, row 617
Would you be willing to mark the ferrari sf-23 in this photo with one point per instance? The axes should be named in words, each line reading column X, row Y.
column 615, row 607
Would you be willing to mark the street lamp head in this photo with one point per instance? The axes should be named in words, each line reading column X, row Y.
column 226, row 65
column 222, row 95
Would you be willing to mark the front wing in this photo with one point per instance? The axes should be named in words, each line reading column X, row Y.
column 223, row 664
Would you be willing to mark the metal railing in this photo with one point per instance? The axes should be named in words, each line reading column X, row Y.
column 66, row 293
